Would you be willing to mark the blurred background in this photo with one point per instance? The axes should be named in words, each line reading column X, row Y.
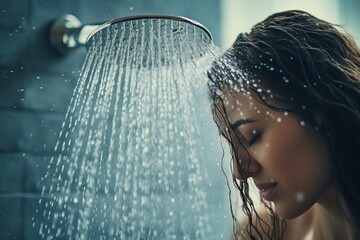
column 36, row 84
column 240, row 15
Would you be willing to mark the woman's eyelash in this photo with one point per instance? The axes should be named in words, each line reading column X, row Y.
column 255, row 138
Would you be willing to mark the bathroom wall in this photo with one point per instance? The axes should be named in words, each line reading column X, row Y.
column 36, row 86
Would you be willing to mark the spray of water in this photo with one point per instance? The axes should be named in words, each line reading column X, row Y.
column 130, row 163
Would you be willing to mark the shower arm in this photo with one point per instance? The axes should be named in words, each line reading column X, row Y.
column 67, row 33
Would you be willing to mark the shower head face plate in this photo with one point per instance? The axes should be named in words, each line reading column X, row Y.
column 152, row 34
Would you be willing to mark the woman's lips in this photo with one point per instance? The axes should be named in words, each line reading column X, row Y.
column 267, row 190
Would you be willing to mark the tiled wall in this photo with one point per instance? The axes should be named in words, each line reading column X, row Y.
column 36, row 86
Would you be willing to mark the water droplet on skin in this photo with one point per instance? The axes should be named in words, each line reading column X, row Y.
column 278, row 119
column 299, row 196
column 302, row 123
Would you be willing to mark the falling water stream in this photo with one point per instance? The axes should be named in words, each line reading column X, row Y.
column 131, row 164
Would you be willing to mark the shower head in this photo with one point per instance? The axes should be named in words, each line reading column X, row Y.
column 68, row 33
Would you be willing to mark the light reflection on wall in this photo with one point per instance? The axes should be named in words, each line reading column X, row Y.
column 240, row 15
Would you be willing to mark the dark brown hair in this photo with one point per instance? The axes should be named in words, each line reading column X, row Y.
column 308, row 65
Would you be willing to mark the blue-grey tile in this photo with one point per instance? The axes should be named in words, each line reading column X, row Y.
column 28, row 132
column 11, row 217
column 45, row 11
column 103, row 11
column 49, row 91
column 11, row 173
column 11, row 125
column 42, row 174
column 12, row 87
column 14, row 14
column 36, row 169
column 12, row 56
column 39, row 221
column 40, row 56
column 40, row 132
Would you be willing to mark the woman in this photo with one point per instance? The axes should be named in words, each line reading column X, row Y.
column 286, row 96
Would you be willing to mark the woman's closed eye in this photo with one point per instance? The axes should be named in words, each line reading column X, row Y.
column 256, row 137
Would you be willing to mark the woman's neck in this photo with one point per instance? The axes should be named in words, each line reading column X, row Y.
column 330, row 221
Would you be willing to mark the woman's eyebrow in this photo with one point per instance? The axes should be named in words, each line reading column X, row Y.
column 240, row 122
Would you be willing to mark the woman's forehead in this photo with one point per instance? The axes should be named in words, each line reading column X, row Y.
column 241, row 103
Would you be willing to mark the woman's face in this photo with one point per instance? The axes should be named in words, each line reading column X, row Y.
column 287, row 160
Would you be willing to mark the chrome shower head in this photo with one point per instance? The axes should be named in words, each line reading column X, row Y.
column 67, row 32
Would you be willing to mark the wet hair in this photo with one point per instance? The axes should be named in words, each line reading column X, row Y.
column 296, row 63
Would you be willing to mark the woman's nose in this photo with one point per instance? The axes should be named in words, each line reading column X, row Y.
column 250, row 167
